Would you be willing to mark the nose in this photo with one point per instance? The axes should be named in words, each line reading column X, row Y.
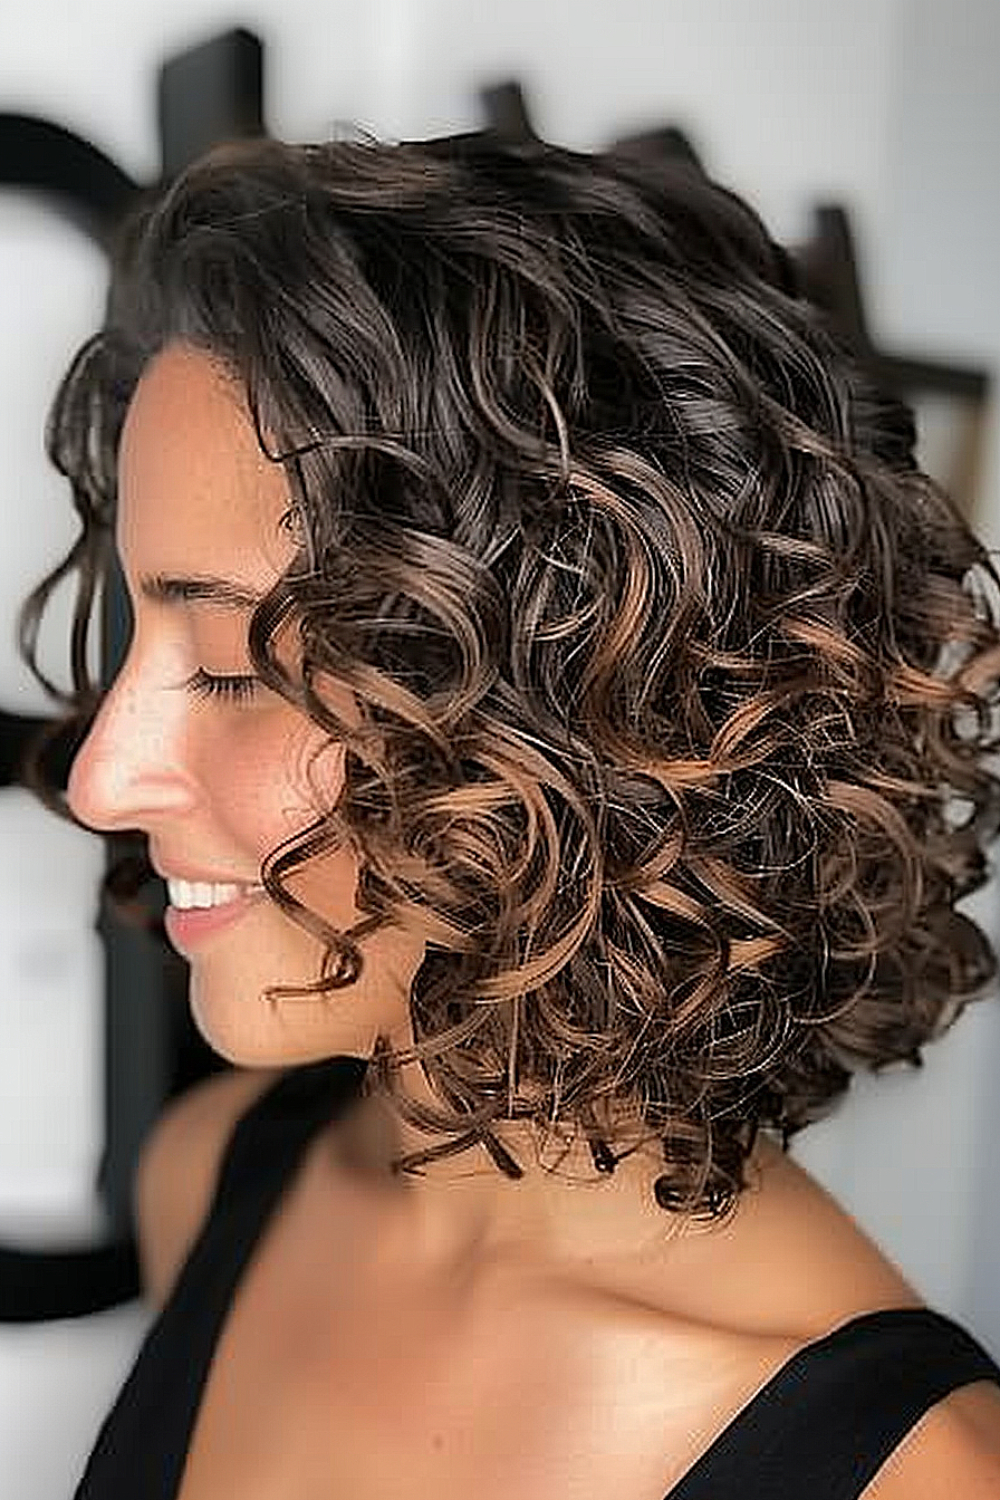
column 129, row 771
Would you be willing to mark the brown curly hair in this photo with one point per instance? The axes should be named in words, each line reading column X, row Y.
column 676, row 677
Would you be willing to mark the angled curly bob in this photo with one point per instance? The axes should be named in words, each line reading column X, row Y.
column 677, row 678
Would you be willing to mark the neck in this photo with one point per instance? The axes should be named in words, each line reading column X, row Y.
column 452, row 1208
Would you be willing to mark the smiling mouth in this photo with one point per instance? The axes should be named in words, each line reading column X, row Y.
column 201, row 909
column 202, row 895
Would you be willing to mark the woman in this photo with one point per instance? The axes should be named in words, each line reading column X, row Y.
column 558, row 709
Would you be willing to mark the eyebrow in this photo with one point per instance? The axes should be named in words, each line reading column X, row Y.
column 163, row 589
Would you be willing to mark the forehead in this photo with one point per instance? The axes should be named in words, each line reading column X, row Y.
column 195, row 491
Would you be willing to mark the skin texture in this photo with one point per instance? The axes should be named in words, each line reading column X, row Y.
column 382, row 1325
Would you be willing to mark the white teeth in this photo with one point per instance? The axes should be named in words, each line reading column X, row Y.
column 185, row 894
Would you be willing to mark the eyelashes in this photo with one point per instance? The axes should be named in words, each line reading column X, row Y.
column 238, row 688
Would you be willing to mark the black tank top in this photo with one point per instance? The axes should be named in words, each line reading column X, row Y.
column 820, row 1429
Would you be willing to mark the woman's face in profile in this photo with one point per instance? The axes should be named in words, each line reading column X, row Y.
column 192, row 750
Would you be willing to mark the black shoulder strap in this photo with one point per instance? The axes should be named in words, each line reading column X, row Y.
column 825, row 1424
column 142, row 1447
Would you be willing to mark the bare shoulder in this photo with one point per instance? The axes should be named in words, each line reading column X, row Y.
column 810, row 1265
column 824, row 1270
column 953, row 1450
column 178, row 1168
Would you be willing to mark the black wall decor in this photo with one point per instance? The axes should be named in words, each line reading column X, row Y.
column 210, row 93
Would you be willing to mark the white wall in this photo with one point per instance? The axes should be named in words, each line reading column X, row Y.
column 938, row 233
column 890, row 106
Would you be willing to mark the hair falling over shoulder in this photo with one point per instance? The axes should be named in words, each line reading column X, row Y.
column 677, row 679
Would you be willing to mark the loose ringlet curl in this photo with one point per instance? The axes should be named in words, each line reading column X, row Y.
column 676, row 678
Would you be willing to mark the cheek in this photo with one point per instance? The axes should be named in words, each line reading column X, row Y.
column 272, row 782
column 328, row 885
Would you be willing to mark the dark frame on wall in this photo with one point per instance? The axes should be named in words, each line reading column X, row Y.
column 209, row 93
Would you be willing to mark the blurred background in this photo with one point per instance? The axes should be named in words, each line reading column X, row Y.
column 887, row 109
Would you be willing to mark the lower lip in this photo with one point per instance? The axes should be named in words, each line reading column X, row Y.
column 188, row 929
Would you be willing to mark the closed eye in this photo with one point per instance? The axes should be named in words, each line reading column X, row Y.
column 237, row 688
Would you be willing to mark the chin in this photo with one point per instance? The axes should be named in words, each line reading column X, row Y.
column 235, row 1038
column 264, row 1033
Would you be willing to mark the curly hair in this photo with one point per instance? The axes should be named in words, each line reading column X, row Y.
column 676, row 678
